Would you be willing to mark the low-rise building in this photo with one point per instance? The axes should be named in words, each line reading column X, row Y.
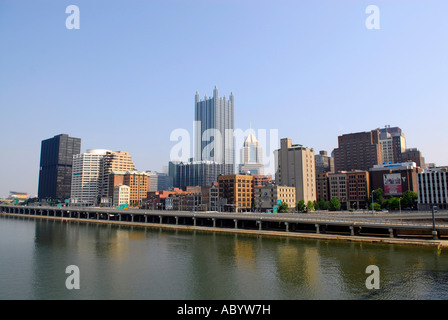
column 323, row 186
column 210, row 197
column 358, row 189
column 138, row 182
column 122, row 195
column 266, row 197
column 433, row 189
column 237, row 190
column 338, row 187
column 395, row 179
column 351, row 188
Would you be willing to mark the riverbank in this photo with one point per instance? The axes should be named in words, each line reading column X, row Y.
column 318, row 236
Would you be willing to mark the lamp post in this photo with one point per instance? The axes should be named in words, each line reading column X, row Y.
column 434, row 232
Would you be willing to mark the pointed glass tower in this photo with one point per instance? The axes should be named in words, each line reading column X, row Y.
column 213, row 130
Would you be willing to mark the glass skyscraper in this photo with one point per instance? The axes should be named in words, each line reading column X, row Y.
column 56, row 161
column 214, row 126
column 214, row 152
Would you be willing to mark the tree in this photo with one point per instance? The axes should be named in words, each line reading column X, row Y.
column 378, row 197
column 300, row 206
column 323, row 205
column 310, row 206
column 376, row 206
column 393, row 203
column 409, row 199
column 283, row 207
column 335, row 205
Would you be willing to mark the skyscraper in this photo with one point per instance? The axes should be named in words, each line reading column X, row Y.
column 358, row 151
column 86, row 179
column 251, row 156
column 213, row 130
column 56, row 160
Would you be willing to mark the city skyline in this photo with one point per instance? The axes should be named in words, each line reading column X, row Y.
column 124, row 81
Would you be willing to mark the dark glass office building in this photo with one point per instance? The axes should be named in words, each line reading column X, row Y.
column 56, row 160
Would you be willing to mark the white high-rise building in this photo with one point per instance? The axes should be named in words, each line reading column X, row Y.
column 86, row 177
column 251, row 156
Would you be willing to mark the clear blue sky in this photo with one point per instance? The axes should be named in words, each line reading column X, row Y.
column 127, row 78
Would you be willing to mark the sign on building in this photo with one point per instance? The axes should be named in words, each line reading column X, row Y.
column 392, row 184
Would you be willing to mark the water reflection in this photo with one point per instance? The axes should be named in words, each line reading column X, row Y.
column 120, row 262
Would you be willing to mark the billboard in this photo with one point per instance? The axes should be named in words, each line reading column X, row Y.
column 392, row 183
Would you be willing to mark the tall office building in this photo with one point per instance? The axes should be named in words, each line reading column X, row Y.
column 56, row 160
column 296, row 168
column 358, row 151
column 213, row 130
column 251, row 156
column 393, row 144
column 86, row 179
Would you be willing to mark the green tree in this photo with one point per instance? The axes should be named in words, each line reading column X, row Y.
column 283, row 207
column 335, row 205
column 300, row 206
column 310, row 206
column 409, row 199
column 393, row 203
column 323, row 205
column 378, row 197
column 376, row 206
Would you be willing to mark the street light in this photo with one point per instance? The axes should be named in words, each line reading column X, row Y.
column 434, row 232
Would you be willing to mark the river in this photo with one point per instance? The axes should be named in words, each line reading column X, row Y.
column 125, row 262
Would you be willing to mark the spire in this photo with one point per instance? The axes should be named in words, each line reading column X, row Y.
column 215, row 92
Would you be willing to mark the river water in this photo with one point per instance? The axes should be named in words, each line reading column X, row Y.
column 123, row 262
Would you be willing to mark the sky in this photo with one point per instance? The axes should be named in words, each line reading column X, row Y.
column 126, row 79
